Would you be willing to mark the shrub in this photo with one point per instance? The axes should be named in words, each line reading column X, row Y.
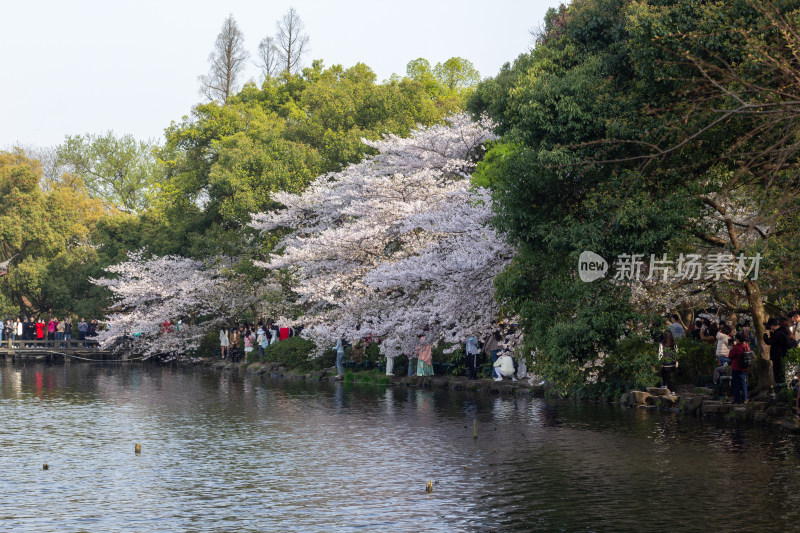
column 456, row 358
column 294, row 352
column 633, row 363
column 695, row 358
column 373, row 376
column 791, row 362
column 786, row 396
column 208, row 345
column 373, row 352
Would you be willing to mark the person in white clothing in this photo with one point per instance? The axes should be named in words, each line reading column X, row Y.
column 18, row 329
column 505, row 367
column 339, row 358
column 390, row 365
column 223, row 343
column 723, row 340
column 471, row 351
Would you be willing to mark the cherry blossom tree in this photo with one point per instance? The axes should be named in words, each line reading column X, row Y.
column 152, row 291
column 397, row 244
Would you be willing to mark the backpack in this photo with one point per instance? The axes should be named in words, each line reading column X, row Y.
column 748, row 358
column 668, row 357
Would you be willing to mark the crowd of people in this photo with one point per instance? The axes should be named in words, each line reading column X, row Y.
column 249, row 337
column 494, row 347
column 733, row 345
column 22, row 331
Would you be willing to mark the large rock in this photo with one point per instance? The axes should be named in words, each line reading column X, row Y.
column 538, row 391
column 623, row 400
column 475, row 385
column 777, row 411
column 756, row 406
column 667, row 401
column 640, row 398
column 501, row 388
column 690, row 404
column 657, row 391
column 424, row 381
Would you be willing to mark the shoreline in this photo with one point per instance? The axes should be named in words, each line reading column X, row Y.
column 698, row 402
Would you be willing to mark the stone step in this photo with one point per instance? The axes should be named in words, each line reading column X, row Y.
column 711, row 407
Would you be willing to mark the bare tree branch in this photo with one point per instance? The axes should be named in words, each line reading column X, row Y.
column 227, row 62
column 268, row 57
column 290, row 40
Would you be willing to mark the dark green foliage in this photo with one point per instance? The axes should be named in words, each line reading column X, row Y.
column 695, row 358
column 585, row 115
column 294, row 352
column 374, row 376
column 453, row 363
column 553, row 103
column 791, row 362
column 208, row 346
column 632, row 363
column 372, row 353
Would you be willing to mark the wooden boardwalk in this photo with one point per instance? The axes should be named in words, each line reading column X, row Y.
column 51, row 351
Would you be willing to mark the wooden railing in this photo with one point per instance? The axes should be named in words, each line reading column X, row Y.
column 45, row 344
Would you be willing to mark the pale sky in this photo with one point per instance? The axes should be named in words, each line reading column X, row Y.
column 76, row 67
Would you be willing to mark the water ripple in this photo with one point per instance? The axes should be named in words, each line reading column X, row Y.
column 223, row 452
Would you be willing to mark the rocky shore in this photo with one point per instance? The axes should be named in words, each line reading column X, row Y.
column 701, row 402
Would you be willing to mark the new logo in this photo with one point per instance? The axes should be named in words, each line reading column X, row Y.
column 591, row 266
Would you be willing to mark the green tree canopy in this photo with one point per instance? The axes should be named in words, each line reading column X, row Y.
column 48, row 233
column 223, row 162
column 119, row 170
column 627, row 130
column 456, row 73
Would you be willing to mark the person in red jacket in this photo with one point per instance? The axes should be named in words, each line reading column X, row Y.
column 51, row 329
column 738, row 371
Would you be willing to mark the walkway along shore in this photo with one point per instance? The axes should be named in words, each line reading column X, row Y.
column 699, row 402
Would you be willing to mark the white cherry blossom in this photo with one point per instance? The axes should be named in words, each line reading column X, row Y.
column 396, row 244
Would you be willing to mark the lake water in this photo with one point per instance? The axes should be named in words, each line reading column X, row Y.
column 242, row 453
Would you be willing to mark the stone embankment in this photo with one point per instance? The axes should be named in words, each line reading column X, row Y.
column 701, row 403
column 278, row 370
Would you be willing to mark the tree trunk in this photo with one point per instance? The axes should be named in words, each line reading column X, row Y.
column 686, row 314
column 26, row 304
column 764, row 365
